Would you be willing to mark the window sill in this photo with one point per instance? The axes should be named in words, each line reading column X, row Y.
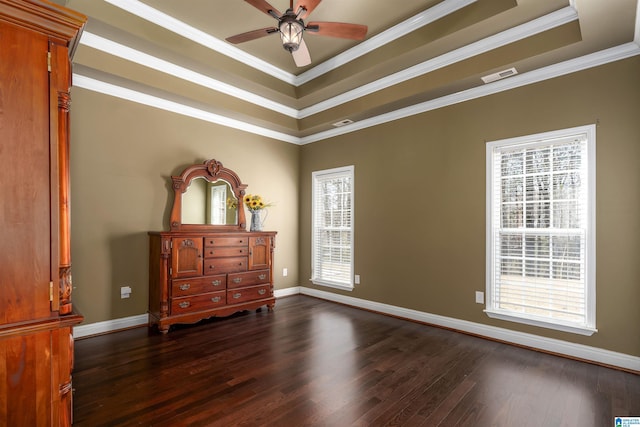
column 586, row 331
column 332, row 285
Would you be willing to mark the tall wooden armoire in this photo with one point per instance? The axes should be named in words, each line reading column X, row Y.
column 37, row 39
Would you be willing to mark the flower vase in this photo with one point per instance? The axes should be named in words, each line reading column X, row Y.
column 256, row 224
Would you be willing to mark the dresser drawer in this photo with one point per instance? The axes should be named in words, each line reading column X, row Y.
column 198, row 285
column 249, row 278
column 225, row 265
column 248, row 294
column 198, row 302
column 225, row 251
column 226, row 241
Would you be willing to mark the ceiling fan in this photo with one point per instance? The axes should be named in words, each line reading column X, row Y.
column 291, row 26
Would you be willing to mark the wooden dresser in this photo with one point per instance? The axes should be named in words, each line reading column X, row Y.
column 37, row 39
column 208, row 264
column 193, row 276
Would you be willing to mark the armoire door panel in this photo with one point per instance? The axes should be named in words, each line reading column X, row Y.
column 26, row 368
column 25, row 264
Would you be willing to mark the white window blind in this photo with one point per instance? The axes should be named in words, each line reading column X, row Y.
column 332, row 243
column 218, row 205
column 540, row 230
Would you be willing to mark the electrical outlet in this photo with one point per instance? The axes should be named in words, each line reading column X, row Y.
column 285, row 272
column 356, row 279
column 125, row 292
column 479, row 297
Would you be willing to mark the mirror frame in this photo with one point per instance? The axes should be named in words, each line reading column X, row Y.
column 211, row 170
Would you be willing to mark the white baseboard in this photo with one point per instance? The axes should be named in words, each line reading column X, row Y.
column 279, row 293
column 579, row 351
column 110, row 325
column 143, row 319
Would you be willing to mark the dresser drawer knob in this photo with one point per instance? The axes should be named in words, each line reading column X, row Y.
column 262, row 276
column 237, row 280
column 211, row 267
column 236, row 296
column 216, row 283
column 215, row 299
column 185, row 286
column 262, row 291
column 184, row 304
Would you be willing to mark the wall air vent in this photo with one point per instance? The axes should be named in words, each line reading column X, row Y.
column 500, row 75
column 343, row 123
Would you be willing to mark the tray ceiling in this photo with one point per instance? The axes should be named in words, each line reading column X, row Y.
column 418, row 55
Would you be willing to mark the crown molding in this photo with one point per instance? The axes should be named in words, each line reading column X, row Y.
column 636, row 37
column 183, row 29
column 172, row 24
column 504, row 38
column 125, row 52
column 571, row 66
column 567, row 67
column 100, row 86
column 423, row 18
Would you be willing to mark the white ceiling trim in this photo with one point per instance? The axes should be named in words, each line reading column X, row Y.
column 636, row 39
column 183, row 29
column 506, row 37
column 150, row 14
column 146, row 60
column 105, row 88
column 567, row 67
column 402, row 29
column 544, row 23
column 571, row 66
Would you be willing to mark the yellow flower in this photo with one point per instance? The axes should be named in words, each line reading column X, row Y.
column 254, row 202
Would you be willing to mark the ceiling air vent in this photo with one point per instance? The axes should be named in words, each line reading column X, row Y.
column 500, row 75
column 343, row 123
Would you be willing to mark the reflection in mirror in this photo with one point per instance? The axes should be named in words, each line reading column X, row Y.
column 209, row 203
column 222, row 205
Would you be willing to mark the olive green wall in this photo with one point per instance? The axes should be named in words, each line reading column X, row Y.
column 431, row 169
column 429, row 258
column 122, row 157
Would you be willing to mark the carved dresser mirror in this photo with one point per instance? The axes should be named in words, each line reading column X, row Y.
column 207, row 197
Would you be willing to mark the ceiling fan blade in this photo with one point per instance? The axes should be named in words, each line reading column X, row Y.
column 301, row 56
column 265, row 7
column 251, row 35
column 309, row 5
column 337, row 29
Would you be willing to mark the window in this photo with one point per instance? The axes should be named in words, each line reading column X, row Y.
column 332, row 228
column 541, row 230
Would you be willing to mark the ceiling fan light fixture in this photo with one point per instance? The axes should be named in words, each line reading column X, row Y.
column 291, row 34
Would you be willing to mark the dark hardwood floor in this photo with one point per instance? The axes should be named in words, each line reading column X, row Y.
column 316, row 363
